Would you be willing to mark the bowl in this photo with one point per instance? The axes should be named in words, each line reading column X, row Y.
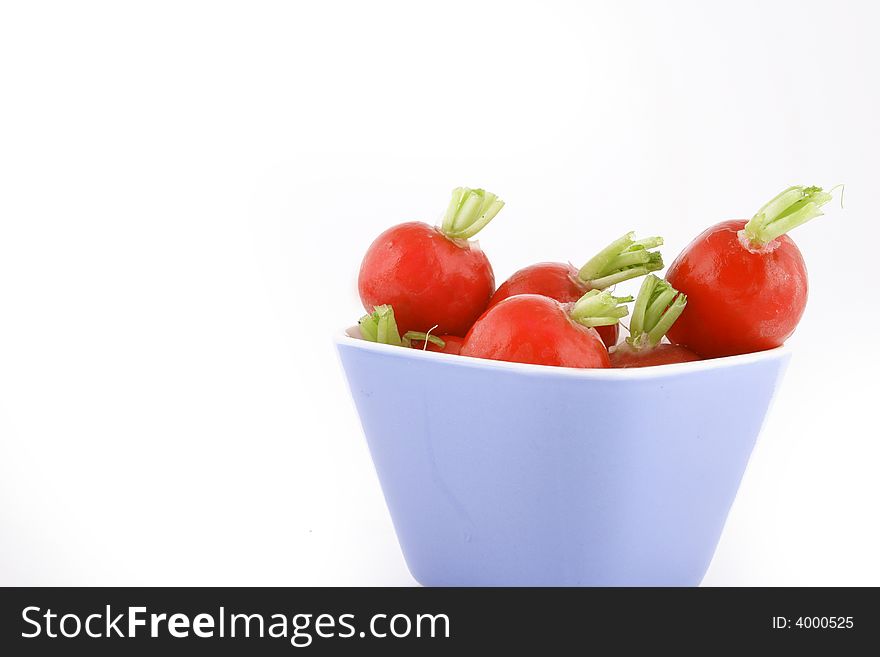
column 506, row 474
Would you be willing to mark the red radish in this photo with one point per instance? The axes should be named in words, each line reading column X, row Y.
column 530, row 328
column 445, row 344
column 746, row 282
column 380, row 326
column 433, row 277
column 657, row 306
column 623, row 259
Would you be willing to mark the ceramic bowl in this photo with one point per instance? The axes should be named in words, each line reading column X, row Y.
column 505, row 474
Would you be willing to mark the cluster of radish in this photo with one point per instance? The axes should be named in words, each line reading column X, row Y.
column 739, row 287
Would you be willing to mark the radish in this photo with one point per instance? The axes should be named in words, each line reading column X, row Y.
column 433, row 276
column 746, row 281
column 445, row 344
column 380, row 326
column 657, row 306
column 623, row 259
column 530, row 328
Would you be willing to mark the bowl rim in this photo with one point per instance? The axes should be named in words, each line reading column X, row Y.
column 349, row 338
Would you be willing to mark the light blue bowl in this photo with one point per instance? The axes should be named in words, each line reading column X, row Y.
column 503, row 474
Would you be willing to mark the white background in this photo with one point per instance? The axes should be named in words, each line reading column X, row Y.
column 186, row 190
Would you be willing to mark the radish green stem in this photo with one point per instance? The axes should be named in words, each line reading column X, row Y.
column 469, row 211
column 380, row 326
column 418, row 336
column 598, row 308
column 657, row 306
column 623, row 259
column 788, row 209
